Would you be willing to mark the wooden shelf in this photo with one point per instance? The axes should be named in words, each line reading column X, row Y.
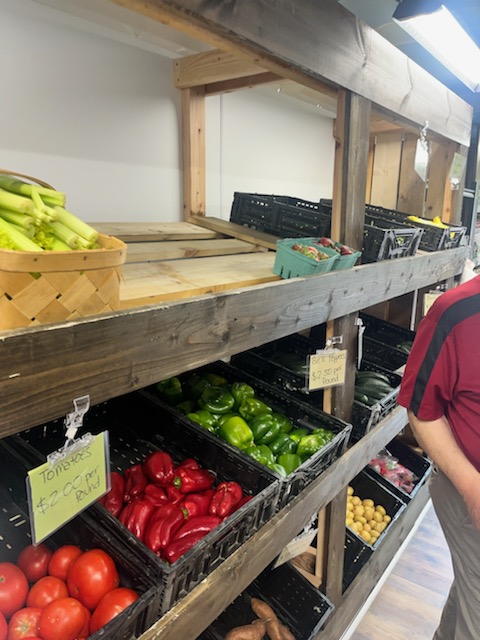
column 112, row 354
column 213, row 595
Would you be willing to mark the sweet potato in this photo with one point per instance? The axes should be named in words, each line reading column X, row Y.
column 262, row 609
column 254, row 631
column 286, row 633
column 274, row 630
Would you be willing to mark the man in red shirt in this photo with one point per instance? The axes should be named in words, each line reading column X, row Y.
column 441, row 390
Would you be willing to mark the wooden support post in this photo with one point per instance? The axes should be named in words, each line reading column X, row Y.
column 411, row 188
column 193, row 132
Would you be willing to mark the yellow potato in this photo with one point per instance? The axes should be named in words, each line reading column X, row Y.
column 366, row 526
column 377, row 516
column 368, row 502
column 349, row 506
column 381, row 509
column 387, row 519
column 350, row 491
column 365, row 535
column 381, row 526
column 374, row 534
column 349, row 522
column 356, row 501
column 368, row 513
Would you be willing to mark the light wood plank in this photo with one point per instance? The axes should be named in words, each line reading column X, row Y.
column 239, row 84
column 154, row 251
column 112, row 354
column 212, row 66
column 411, row 188
column 386, row 169
column 237, row 231
column 146, row 283
column 319, row 41
column 153, row 231
column 441, row 156
column 193, row 144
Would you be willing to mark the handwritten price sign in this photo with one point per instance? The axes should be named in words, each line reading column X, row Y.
column 327, row 369
column 58, row 493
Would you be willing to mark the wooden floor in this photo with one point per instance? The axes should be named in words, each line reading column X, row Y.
column 410, row 602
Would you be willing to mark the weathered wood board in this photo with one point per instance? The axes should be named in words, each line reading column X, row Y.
column 150, row 231
column 149, row 282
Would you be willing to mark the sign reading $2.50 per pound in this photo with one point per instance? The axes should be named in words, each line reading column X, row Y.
column 327, row 369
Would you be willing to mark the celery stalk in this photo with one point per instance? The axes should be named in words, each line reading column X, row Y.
column 19, row 241
column 20, row 219
column 25, row 188
column 75, row 224
column 64, row 234
column 58, row 245
column 28, row 232
column 15, row 202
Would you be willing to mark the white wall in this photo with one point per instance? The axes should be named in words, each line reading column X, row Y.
column 100, row 120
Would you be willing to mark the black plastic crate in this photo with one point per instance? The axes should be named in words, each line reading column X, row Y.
column 386, row 332
column 356, row 555
column 283, row 216
column 136, row 427
column 433, row 238
column 383, row 240
column 382, row 340
column 364, row 416
column 300, row 413
column 297, row 603
column 266, row 363
column 365, row 486
column 89, row 530
column 420, row 466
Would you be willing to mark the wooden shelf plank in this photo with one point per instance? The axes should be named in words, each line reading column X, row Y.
column 154, row 231
column 171, row 250
column 112, row 354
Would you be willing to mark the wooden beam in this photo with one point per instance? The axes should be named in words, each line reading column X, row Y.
column 237, row 84
column 319, row 41
column 212, row 67
column 193, row 136
column 236, row 231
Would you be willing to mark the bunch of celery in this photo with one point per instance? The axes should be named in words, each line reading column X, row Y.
column 33, row 218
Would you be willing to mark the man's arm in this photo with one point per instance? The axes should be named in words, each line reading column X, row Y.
column 437, row 439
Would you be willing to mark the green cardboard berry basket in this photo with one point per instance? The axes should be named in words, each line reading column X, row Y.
column 291, row 264
column 346, row 261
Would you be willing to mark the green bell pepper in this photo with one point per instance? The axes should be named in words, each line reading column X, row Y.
column 297, row 434
column 186, row 406
column 284, row 422
column 310, row 444
column 240, row 391
column 289, row 461
column 325, row 433
column 283, row 444
column 216, row 400
column 195, row 385
column 261, row 454
column 236, row 432
column 279, row 470
column 204, row 419
column 223, row 417
column 264, row 428
column 170, row 390
column 251, row 407
column 215, row 379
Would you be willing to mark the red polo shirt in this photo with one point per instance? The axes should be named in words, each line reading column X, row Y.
column 442, row 376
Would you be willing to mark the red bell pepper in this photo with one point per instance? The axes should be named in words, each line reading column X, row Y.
column 174, row 495
column 189, row 463
column 113, row 500
column 158, row 466
column 193, row 480
column 135, row 482
column 243, row 501
column 157, row 495
column 163, row 524
column 177, row 548
column 197, row 524
column 197, row 504
column 135, row 516
column 226, row 498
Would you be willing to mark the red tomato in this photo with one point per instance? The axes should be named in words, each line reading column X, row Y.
column 85, row 632
column 62, row 619
column 3, row 627
column 61, row 560
column 24, row 623
column 33, row 561
column 46, row 590
column 112, row 603
column 13, row 588
column 91, row 576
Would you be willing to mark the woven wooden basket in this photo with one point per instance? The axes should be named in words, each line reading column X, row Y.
column 51, row 286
